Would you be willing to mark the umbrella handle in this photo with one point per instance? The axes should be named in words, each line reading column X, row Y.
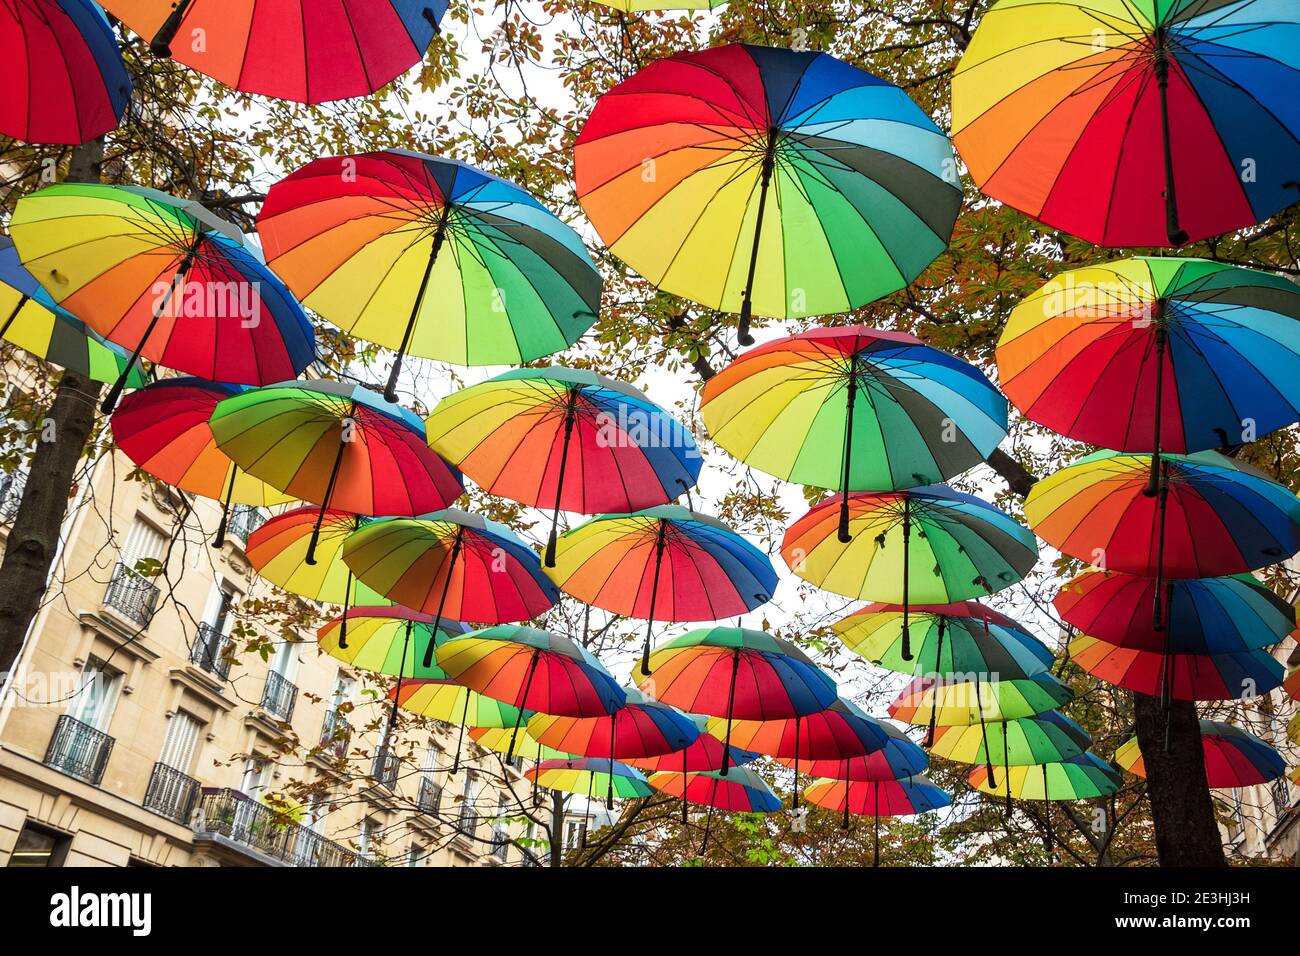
column 390, row 390
column 746, row 305
column 843, row 534
column 160, row 45
column 1176, row 235
column 343, row 621
column 220, row 538
column 907, row 545
column 401, row 666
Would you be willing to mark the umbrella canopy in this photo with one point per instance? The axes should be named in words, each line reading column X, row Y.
column 63, row 76
column 966, row 703
column 1130, row 124
column 856, row 409
column 451, row 564
column 1292, row 684
column 878, row 798
column 278, row 552
column 641, row 728
column 704, row 753
column 1080, row 778
column 521, row 434
column 666, row 564
column 739, row 790
column 497, row 739
column 430, row 257
column 308, row 52
column 898, row 758
column 1174, row 676
column 588, row 775
column 1205, row 615
column 1156, row 354
column 338, row 445
column 746, row 178
column 1233, row 757
column 387, row 640
column 931, row 545
column 946, row 640
column 30, row 320
column 736, row 674
column 1047, row 738
column 165, row 429
column 444, row 699
column 165, row 277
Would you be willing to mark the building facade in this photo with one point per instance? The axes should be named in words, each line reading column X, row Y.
column 135, row 730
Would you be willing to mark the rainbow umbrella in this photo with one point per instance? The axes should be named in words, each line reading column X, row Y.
column 641, row 728
column 739, row 790
column 164, row 429
column 965, row 547
column 441, row 698
column 308, row 52
column 748, row 178
column 497, row 740
column 278, row 552
column 838, row 733
column 338, row 445
column 1173, row 676
column 663, row 564
column 360, row 238
column 1150, row 354
column 1211, row 516
column 1079, row 778
column 164, row 277
column 1205, row 615
column 1233, row 757
column 1292, row 684
column 63, row 76
column 898, row 758
column 1133, row 123
column 878, row 798
column 856, row 409
column 704, row 753
column 588, row 775
column 451, row 564
column 735, row 674
column 518, row 434
column 1046, row 738
column 966, row 703
column 533, row 670
column 387, row 640
column 30, row 320
column 960, row 638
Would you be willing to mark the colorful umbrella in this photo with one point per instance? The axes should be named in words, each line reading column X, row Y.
column 736, row 674
column 1080, row 778
column 856, row 409
column 63, row 76
column 497, row 739
column 1047, row 738
column 663, row 564
column 164, row 277
column 278, row 552
column 451, row 564
column 441, row 698
column 840, row 732
column 748, row 178
column 740, row 790
column 1233, row 757
column 961, row 638
column 898, row 758
column 387, row 640
column 1205, row 615
column 1174, row 676
column 704, row 753
column 165, row 429
column 641, row 728
column 308, row 52
column 359, row 238
column 878, row 798
column 1211, row 516
column 518, row 434
column 338, row 445
column 1145, row 355
column 533, row 670
column 965, row 547
column 966, row 703
column 588, row 775
column 1132, row 124
column 30, row 320
column 1292, row 684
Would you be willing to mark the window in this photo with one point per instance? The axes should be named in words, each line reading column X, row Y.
column 468, row 815
column 178, row 747
column 285, row 661
column 368, row 839
column 575, row 834
column 257, row 777
column 144, row 542
column 39, row 846
column 417, row 855
column 317, row 809
column 96, row 696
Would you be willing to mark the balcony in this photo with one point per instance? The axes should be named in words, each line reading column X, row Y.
column 12, row 485
column 335, row 733
column 279, row 696
column 79, row 750
column 132, row 595
column 467, row 821
column 244, row 520
column 500, row 843
column 384, row 768
column 430, row 797
column 233, row 818
column 172, row 793
column 209, row 651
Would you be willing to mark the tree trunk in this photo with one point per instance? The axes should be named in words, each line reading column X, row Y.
column 1181, row 808
column 557, row 828
column 34, row 536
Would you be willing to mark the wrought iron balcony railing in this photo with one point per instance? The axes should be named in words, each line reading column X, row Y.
column 209, row 651
column 244, row 520
column 242, row 820
column 430, row 797
column 335, row 733
column 78, row 750
column 172, row 793
column 279, row 696
column 132, row 595
column 384, row 768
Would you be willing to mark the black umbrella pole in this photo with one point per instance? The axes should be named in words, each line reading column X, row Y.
column 390, row 390
column 442, row 601
column 325, row 504
column 609, row 794
column 523, row 701
column 875, row 859
column 746, row 305
column 654, row 593
column 460, row 738
column 843, row 535
column 220, row 538
column 343, row 621
column 907, row 545
column 161, row 44
column 559, row 481
column 1162, row 338
column 984, row 737
column 731, row 704
column 1176, row 235
column 401, row 666
column 796, row 763
column 934, row 698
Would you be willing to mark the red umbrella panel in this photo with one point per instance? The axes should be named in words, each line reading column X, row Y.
column 1179, row 676
column 898, row 758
